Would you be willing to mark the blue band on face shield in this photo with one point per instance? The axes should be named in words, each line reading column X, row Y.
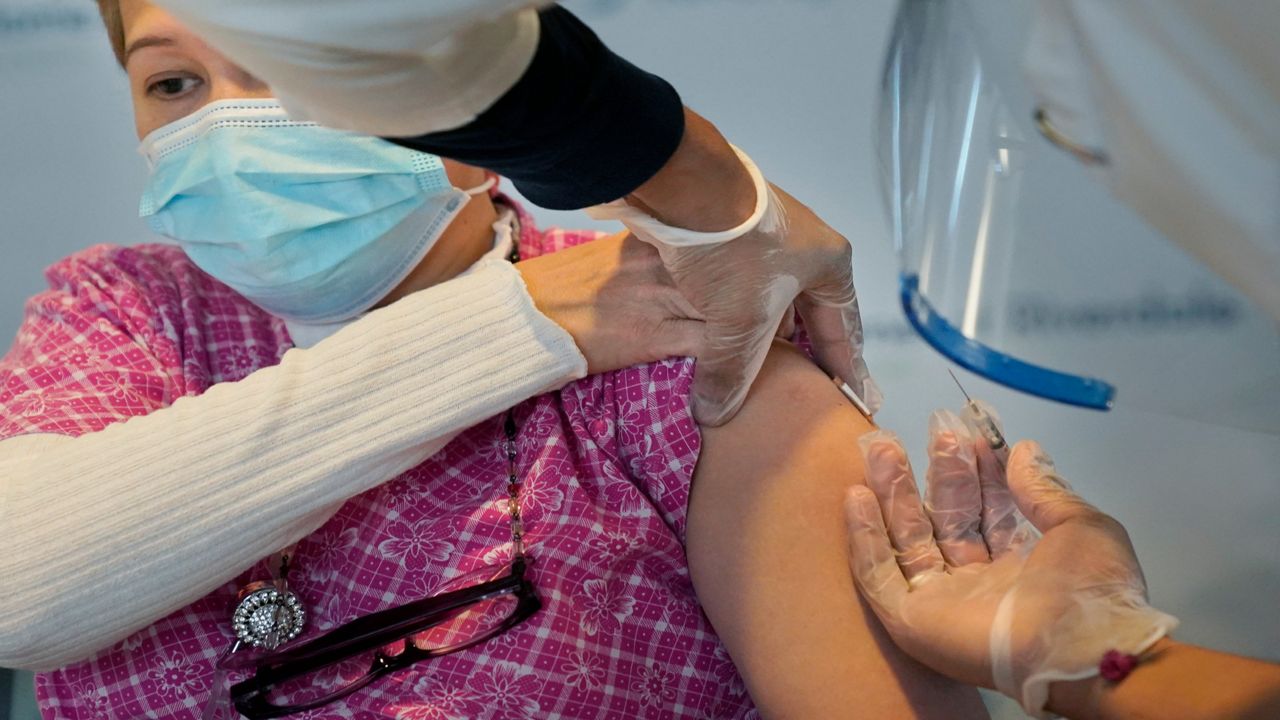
column 1004, row 369
column 309, row 223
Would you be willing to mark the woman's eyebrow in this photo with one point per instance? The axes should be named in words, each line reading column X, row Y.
column 146, row 41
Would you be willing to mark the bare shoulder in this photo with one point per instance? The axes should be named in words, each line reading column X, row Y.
column 791, row 390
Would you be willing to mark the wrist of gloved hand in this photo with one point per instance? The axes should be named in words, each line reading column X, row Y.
column 745, row 280
column 1096, row 621
column 767, row 215
column 1096, row 605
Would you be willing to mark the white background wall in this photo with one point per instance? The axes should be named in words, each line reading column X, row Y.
column 795, row 83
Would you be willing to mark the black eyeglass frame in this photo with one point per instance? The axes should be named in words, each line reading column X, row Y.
column 372, row 633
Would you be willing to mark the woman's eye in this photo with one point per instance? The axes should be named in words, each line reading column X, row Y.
column 172, row 87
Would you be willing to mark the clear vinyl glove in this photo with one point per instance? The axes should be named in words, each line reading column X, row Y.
column 965, row 585
column 745, row 282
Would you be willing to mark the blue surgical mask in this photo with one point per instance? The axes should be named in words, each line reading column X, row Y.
column 311, row 224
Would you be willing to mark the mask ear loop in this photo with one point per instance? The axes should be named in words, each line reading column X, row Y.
column 490, row 183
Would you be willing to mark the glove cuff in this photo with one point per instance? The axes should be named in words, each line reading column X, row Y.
column 766, row 216
column 1074, row 647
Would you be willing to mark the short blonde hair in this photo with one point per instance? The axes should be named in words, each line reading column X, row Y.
column 110, row 11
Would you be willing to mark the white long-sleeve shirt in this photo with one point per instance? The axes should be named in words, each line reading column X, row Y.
column 108, row 531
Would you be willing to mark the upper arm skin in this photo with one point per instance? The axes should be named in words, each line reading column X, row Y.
column 768, row 554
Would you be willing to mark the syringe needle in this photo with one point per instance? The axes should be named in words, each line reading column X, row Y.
column 985, row 423
column 967, row 399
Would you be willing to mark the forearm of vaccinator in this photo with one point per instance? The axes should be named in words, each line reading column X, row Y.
column 703, row 187
column 1176, row 681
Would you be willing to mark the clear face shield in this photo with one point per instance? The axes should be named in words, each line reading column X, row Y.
column 1019, row 265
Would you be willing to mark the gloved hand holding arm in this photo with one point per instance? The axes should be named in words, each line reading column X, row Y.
column 745, row 274
column 966, row 587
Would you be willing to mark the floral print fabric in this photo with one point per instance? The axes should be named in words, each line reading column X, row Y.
column 606, row 465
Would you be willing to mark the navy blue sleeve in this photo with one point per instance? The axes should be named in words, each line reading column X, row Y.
column 582, row 126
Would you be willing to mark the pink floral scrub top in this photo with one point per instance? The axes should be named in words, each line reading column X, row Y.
column 606, row 465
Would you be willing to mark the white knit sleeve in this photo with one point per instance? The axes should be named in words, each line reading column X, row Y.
column 106, row 532
column 395, row 68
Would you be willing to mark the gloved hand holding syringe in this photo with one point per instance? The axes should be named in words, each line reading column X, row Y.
column 965, row 583
column 984, row 421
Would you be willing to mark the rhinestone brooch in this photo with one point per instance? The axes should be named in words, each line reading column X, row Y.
column 268, row 617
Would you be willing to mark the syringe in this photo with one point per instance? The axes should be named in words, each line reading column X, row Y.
column 985, row 423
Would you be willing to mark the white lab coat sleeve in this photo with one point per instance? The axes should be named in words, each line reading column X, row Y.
column 1183, row 97
column 393, row 68
column 107, row 532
